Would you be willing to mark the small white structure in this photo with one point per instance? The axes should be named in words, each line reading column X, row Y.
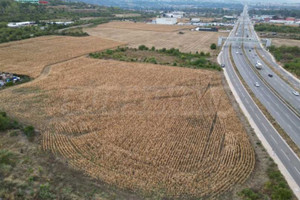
column 62, row 23
column 195, row 20
column 176, row 14
column 19, row 24
column 168, row 21
column 229, row 17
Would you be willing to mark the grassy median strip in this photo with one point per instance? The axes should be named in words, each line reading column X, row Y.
column 278, row 128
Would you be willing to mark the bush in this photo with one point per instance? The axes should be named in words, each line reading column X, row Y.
column 109, row 51
column 6, row 123
column 9, row 84
column 213, row 46
column 249, row 194
column 143, row 47
column 6, row 158
column 151, row 60
column 45, row 193
column 29, row 132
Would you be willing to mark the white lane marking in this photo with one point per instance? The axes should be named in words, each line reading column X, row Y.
column 285, row 155
column 264, row 127
column 297, row 170
column 274, row 139
column 257, row 116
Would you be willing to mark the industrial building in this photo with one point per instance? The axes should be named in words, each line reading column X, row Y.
column 168, row 21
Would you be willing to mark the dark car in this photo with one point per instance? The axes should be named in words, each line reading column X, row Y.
column 223, row 65
column 270, row 75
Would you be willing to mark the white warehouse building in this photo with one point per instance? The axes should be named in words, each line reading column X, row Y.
column 168, row 21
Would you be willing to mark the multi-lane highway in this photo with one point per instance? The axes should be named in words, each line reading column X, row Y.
column 269, row 93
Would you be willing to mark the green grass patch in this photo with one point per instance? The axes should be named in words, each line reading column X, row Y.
column 276, row 188
column 289, row 56
column 171, row 57
column 276, row 28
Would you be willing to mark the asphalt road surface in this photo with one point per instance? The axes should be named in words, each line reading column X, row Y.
column 279, row 111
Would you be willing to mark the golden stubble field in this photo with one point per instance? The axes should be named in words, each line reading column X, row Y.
column 288, row 42
column 138, row 126
column 160, row 36
column 30, row 56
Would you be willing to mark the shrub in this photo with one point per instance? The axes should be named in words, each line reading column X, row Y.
column 249, row 194
column 153, row 49
column 109, row 51
column 213, row 46
column 6, row 158
column 45, row 193
column 151, row 60
column 4, row 123
column 9, row 84
column 29, row 132
column 143, row 47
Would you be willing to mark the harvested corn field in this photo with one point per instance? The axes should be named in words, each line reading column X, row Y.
column 29, row 56
column 143, row 127
column 189, row 41
column 143, row 26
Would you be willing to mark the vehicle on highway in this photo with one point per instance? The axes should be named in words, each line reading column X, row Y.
column 270, row 75
column 241, row 53
column 256, row 84
column 295, row 93
column 249, row 50
column 258, row 65
column 237, row 52
column 223, row 65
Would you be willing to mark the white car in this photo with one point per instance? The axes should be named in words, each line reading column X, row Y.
column 237, row 52
column 295, row 93
column 256, row 84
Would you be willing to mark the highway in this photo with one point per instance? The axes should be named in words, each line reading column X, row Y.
column 287, row 120
column 279, row 111
column 282, row 87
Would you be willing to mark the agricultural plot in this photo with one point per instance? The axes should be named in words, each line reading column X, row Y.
column 288, row 42
column 29, row 57
column 190, row 41
column 138, row 126
column 143, row 26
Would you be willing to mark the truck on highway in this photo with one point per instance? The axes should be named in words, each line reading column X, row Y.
column 258, row 65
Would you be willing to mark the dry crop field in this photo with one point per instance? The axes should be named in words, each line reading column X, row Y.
column 143, row 26
column 30, row 56
column 138, row 126
column 190, row 41
column 288, row 42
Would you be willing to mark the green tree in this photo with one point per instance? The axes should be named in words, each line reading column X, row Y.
column 213, row 46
